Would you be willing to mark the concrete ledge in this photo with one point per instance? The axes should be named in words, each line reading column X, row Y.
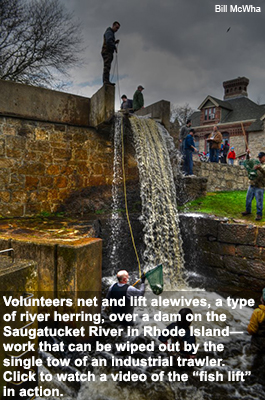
column 39, row 104
column 30, row 102
column 102, row 106
column 159, row 110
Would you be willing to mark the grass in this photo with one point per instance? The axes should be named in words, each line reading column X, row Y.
column 223, row 204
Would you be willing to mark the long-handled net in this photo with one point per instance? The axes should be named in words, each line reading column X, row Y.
column 155, row 279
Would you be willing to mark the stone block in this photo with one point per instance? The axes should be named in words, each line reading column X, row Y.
column 16, row 278
column 32, row 169
column 237, row 233
column 54, row 170
column 250, row 252
column 17, row 142
column 249, row 268
column 61, row 182
column 261, row 237
column 31, row 182
column 44, row 254
column 59, row 153
column 79, row 273
column 2, row 147
column 4, row 196
column 39, row 145
column 41, row 134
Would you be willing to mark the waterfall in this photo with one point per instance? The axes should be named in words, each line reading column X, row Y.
column 116, row 222
column 162, row 239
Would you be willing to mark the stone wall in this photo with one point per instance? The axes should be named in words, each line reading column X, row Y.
column 256, row 142
column 230, row 256
column 41, row 164
column 222, row 177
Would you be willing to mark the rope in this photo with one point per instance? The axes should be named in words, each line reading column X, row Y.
column 123, row 170
column 125, row 199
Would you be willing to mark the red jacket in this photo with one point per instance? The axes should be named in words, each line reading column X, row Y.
column 232, row 154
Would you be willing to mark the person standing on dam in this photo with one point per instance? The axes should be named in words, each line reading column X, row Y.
column 108, row 48
column 122, row 290
column 138, row 98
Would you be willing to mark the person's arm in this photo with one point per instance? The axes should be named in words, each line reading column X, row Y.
column 181, row 134
column 132, row 291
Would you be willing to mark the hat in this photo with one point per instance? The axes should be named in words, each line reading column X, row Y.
column 140, row 87
column 124, row 96
column 263, row 294
column 232, row 148
column 261, row 154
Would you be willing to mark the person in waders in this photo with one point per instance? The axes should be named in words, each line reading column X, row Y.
column 108, row 48
column 121, row 290
column 256, row 328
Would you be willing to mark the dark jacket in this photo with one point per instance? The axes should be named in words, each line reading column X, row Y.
column 109, row 45
column 189, row 142
column 138, row 100
column 184, row 132
column 127, row 104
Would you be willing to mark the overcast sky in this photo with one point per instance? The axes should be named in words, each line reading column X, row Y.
column 179, row 50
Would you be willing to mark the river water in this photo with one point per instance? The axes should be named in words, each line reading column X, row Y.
column 163, row 244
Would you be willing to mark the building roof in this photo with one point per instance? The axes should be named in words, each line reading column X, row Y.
column 237, row 109
column 216, row 102
column 256, row 126
column 243, row 109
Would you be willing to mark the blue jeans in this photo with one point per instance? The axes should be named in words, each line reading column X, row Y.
column 258, row 194
column 188, row 162
column 214, row 155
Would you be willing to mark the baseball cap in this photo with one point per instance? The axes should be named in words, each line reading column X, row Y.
column 140, row 87
column 261, row 154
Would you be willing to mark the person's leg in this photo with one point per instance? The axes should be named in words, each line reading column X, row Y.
column 107, row 59
column 185, row 165
column 211, row 155
column 259, row 200
column 190, row 162
column 249, row 198
column 216, row 155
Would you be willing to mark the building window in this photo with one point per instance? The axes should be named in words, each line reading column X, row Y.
column 209, row 114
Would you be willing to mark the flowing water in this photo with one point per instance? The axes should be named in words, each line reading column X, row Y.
column 115, row 222
column 163, row 244
column 158, row 195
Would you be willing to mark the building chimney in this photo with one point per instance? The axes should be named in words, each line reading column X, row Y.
column 235, row 88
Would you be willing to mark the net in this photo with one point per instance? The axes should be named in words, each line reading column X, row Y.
column 249, row 165
column 155, row 279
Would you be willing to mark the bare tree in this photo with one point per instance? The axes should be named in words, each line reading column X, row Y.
column 39, row 41
column 181, row 113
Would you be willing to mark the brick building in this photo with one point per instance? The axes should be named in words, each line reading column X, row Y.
column 229, row 114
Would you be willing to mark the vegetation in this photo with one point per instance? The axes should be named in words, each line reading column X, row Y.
column 222, row 204
column 39, row 41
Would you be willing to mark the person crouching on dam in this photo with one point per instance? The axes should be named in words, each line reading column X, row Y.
column 123, row 291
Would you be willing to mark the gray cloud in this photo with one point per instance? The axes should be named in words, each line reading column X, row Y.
column 179, row 50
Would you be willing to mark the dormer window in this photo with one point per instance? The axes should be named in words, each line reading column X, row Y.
column 209, row 114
